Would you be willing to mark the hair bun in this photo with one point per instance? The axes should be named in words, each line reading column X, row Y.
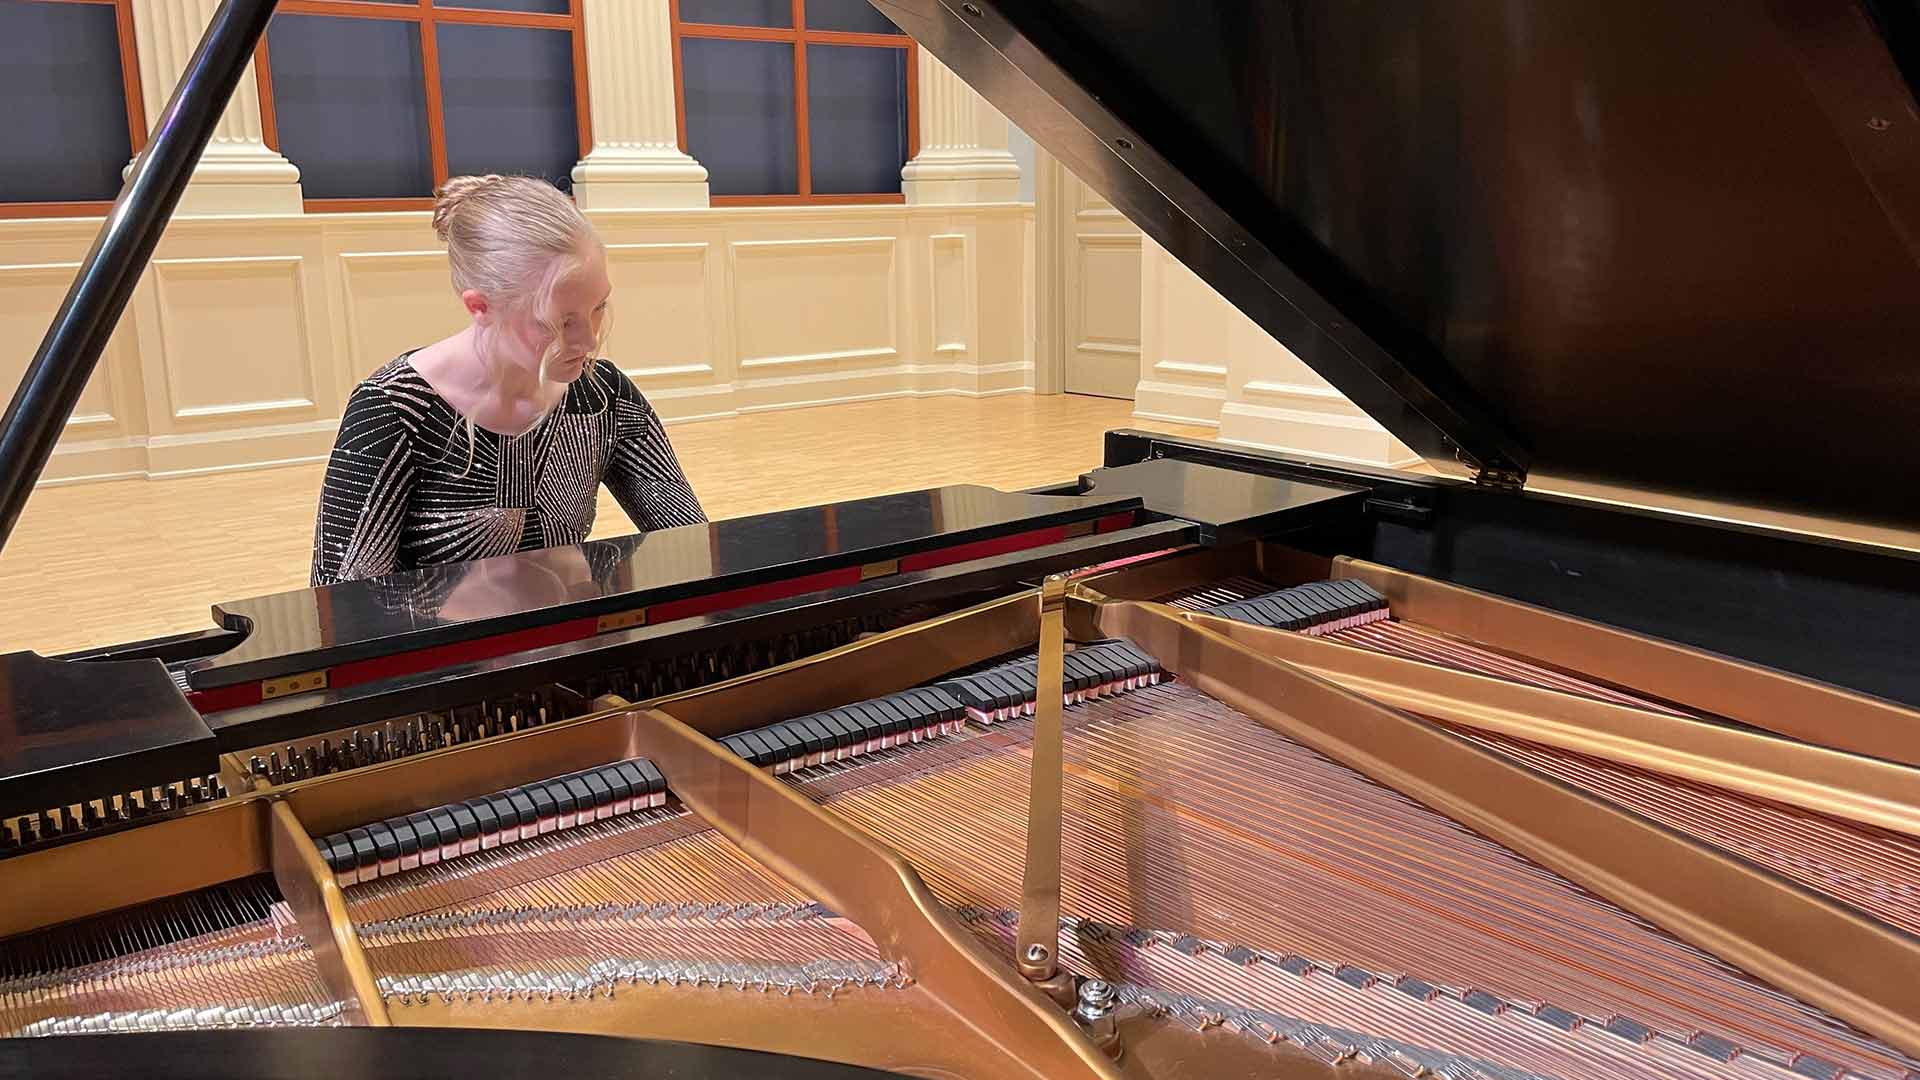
column 452, row 194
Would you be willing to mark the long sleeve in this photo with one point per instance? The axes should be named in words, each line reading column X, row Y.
column 642, row 470
column 363, row 500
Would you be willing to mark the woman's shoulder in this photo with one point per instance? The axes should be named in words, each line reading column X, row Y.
column 389, row 402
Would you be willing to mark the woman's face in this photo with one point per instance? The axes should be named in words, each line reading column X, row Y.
column 579, row 310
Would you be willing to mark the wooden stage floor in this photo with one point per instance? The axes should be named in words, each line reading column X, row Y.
column 118, row 561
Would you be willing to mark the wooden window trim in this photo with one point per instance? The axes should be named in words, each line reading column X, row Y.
column 135, row 99
column 429, row 15
column 801, row 37
column 365, row 206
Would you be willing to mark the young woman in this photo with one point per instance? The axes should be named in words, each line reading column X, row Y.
column 498, row 438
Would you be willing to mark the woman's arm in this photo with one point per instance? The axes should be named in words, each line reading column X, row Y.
column 642, row 470
column 363, row 500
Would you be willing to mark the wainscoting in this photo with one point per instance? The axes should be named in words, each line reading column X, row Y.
column 246, row 334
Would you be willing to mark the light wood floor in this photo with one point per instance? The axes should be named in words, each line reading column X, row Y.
column 99, row 564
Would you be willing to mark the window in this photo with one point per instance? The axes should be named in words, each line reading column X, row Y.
column 70, row 126
column 378, row 101
column 794, row 101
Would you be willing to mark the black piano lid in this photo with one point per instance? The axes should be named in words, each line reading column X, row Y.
column 312, row 629
column 71, row 731
column 1667, row 247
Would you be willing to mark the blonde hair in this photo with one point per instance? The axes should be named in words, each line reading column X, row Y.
column 512, row 239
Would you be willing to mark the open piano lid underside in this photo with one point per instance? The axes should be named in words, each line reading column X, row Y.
column 1669, row 247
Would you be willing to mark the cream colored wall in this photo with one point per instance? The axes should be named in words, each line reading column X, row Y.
column 1203, row 362
column 247, row 333
column 254, row 320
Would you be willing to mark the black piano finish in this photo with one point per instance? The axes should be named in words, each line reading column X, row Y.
column 1664, row 246
column 313, row 629
column 73, row 730
column 1842, row 613
column 575, row 663
column 1228, row 506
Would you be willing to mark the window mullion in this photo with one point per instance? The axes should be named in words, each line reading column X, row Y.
column 804, row 158
column 130, row 74
column 436, row 120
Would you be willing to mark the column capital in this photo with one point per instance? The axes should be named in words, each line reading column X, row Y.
column 963, row 154
column 636, row 160
column 238, row 173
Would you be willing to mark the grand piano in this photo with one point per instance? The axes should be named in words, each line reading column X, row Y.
column 1595, row 755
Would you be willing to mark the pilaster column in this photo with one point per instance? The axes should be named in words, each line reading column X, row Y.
column 636, row 159
column 963, row 154
column 238, row 173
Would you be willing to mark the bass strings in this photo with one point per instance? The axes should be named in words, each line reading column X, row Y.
column 226, row 956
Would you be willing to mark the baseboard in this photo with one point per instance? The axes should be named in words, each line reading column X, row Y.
column 1339, row 436
column 1179, row 403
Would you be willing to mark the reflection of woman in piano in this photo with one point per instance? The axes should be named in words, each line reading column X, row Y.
column 498, row 438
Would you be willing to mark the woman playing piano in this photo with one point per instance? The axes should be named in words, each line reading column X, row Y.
column 497, row 438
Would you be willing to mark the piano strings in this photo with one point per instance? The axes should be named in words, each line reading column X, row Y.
column 225, row 956
column 1185, row 818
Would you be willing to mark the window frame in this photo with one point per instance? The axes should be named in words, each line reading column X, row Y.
column 428, row 15
column 800, row 37
column 136, row 117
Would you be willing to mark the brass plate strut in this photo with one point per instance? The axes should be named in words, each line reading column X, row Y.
column 841, row 866
column 1775, row 701
column 321, row 912
column 1833, row 782
column 1039, row 932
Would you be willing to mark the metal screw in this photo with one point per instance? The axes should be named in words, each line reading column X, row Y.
column 1879, row 123
column 1036, row 954
column 1097, row 999
column 1123, row 143
column 972, row 9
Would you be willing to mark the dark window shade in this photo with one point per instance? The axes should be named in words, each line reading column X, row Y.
column 538, row 7
column 349, row 100
column 63, row 132
column 507, row 95
column 857, row 16
column 740, row 115
column 856, row 118
column 738, row 12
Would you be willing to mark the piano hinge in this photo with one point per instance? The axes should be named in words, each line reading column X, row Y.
column 1503, row 478
column 292, row 684
column 620, row 620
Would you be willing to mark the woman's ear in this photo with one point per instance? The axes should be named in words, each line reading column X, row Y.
column 476, row 304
